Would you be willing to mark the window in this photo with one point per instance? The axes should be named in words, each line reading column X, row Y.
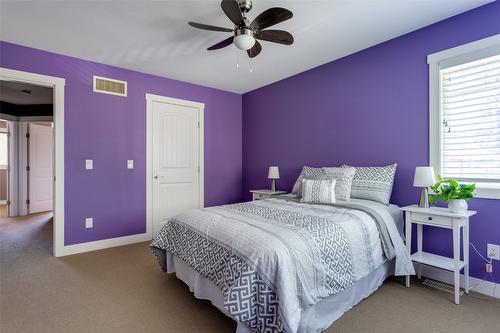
column 465, row 114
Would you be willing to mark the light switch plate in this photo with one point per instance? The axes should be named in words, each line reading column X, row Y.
column 89, row 164
column 89, row 222
column 493, row 251
column 130, row 164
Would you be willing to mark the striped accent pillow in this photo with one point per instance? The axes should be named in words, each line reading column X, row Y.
column 318, row 191
column 373, row 183
column 344, row 181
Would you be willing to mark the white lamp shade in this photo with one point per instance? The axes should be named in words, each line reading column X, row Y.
column 274, row 173
column 424, row 177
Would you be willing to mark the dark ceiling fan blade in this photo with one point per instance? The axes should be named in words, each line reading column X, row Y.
column 233, row 12
column 255, row 50
column 209, row 27
column 270, row 17
column 275, row 36
column 220, row 45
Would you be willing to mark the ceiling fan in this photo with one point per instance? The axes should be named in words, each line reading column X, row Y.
column 245, row 34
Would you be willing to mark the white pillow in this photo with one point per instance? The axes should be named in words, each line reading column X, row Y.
column 318, row 191
column 344, row 178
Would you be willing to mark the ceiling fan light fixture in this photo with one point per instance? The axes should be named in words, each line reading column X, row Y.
column 245, row 34
column 244, row 39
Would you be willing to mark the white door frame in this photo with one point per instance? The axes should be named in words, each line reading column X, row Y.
column 150, row 98
column 58, row 117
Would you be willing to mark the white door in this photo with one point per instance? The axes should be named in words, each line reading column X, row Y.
column 175, row 159
column 40, row 175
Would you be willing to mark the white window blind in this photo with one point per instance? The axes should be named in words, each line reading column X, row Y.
column 470, row 120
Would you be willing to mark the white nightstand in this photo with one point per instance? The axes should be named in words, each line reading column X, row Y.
column 264, row 194
column 443, row 218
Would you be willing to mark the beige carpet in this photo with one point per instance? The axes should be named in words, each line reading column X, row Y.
column 123, row 290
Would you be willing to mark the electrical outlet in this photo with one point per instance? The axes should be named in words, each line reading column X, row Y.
column 89, row 222
column 493, row 251
column 89, row 164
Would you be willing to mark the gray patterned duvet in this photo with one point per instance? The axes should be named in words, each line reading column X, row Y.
column 274, row 258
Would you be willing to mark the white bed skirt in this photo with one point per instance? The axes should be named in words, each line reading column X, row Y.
column 314, row 320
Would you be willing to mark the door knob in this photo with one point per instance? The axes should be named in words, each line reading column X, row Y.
column 155, row 176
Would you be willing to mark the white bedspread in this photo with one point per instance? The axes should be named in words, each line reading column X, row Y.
column 273, row 259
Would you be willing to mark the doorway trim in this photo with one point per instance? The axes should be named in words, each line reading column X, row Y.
column 58, row 118
column 150, row 98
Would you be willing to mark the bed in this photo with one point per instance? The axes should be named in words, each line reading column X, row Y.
column 279, row 265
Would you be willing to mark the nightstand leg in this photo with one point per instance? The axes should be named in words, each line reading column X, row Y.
column 419, row 248
column 456, row 258
column 408, row 241
column 465, row 231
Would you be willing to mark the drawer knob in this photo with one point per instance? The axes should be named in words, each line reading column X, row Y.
column 430, row 218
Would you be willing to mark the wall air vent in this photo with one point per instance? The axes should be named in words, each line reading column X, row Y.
column 110, row 86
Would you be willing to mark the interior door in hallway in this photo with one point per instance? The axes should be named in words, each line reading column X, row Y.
column 40, row 175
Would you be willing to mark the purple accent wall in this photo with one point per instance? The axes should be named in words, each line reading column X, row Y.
column 369, row 108
column 111, row 129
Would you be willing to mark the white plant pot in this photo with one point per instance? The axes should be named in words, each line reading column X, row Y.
column 457, row 206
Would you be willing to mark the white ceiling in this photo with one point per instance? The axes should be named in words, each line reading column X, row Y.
column 12, row 92
column 153, row 36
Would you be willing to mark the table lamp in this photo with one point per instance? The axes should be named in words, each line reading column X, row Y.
column 424, row 178
column 273, row 174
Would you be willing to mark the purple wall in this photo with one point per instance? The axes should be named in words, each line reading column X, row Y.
column 370, row 108
column 110, row 130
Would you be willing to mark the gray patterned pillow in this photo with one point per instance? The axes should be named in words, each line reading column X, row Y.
column 373, row 183
column 318, row 190
column 306, row 171
column 344, row 177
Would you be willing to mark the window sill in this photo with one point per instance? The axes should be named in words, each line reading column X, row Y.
column 487, row 191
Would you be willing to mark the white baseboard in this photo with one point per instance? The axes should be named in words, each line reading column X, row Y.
column 104, row 244
column 477, row 285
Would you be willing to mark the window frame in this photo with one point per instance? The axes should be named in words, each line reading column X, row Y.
column 448, row 58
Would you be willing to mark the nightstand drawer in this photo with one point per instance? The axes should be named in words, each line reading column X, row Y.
column 258, row 196
column 264, row 194
column 431, row 219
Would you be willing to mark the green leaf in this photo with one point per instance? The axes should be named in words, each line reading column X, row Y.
column 448, row 189
column 433, row 198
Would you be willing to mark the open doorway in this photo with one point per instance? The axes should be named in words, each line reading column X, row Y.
column 26, row 160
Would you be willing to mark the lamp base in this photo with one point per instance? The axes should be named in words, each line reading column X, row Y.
column 273, row 185
column 424, row 198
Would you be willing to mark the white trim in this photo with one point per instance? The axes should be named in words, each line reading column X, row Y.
column 58, row 117
column 13, row 168
column 35, row 119
column 23, row 163
column 454, row 56
column 94, row 80
column 104, row 244
column 484, row 43
column 8, row 117
column 477, row 285
column 149, row 151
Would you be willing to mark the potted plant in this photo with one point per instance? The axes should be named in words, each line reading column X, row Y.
column 454, row 193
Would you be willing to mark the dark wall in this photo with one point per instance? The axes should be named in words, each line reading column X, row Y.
column 33, row 110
